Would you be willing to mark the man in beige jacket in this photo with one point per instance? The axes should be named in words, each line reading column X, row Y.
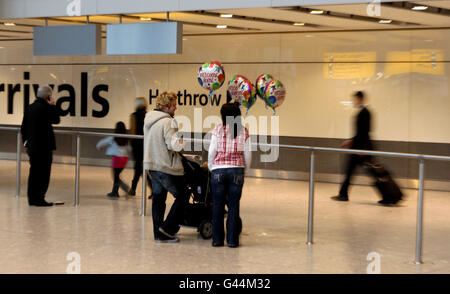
column 162, row 142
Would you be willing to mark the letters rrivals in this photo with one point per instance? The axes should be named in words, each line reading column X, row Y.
column 67, row 104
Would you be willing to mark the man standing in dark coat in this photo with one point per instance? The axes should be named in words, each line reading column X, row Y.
column 360, row 141
column 39, row 139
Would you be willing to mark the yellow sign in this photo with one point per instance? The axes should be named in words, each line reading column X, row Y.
column 349, row 65
column 427, row 61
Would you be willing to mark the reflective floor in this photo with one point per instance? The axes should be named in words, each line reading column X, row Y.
column 111, row 237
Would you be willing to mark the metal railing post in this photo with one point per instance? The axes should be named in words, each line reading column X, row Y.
column 311, row 200
column 19, row 155
column 419, row 232
column 144, row 191
column 77, row 172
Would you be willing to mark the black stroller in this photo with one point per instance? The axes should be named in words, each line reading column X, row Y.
column 198, row 212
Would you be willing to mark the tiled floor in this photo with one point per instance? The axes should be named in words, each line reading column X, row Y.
column 111, row 236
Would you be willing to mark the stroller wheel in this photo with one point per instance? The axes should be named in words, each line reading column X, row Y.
column 205, row 229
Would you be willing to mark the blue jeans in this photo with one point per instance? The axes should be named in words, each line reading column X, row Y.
column 226, row 185
column 161, row 184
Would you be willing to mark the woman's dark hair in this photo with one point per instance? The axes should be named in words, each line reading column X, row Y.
column 120, row 129
column 231, row 117
column 229, row 98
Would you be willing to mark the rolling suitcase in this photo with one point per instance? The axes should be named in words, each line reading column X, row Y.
column 388, row 188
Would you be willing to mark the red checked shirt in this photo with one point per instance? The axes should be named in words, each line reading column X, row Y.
column 226, row 152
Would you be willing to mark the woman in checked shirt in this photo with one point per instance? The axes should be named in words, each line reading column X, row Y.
column 229, row 155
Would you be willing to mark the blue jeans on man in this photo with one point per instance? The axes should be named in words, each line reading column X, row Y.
column 161, row 184
column 226, row 184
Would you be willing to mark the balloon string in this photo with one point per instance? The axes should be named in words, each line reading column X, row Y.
column 249, row 106
column 210, row 96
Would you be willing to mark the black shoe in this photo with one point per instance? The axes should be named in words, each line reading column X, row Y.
column 340, row 198
column 232, row 245
column 386, row 202
column 166, row 239
column 162, row 232
column 113, row 195
column 42, row 203
column 217, row 244
column 132, row 192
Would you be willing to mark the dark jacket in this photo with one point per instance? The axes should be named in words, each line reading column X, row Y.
column 137, row 119
column 362, row 139
column 137, row 126
column 36, row 129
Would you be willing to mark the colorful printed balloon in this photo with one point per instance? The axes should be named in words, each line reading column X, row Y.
column 261, row 84
column 275, row 94
column 242, row 91
column 211, row 76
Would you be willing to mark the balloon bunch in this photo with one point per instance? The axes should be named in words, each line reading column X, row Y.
column 211, row 76
column 271, row 91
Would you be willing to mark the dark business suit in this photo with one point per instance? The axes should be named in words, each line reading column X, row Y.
column 360, row 141
column 39, row 139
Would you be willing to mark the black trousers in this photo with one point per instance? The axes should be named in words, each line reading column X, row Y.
column 39, row 177
column 137, row 148
column 353, row 161
column 118, row 181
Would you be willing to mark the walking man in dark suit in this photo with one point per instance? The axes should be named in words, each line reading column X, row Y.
column 39, row 139
column 360, row 141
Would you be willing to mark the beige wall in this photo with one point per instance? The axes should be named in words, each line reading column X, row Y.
column 405, row 73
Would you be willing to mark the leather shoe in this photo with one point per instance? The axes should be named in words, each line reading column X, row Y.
column 340, row 198
column 42, row 203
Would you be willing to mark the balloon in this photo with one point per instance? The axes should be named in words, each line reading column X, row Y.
column 211, row 76
column 261, row 83
column 242, row 91
column 275, row 94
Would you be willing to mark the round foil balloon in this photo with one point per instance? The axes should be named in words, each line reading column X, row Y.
column 211, row 76
column 242, row 91
column 275, row 94
column 261, row 84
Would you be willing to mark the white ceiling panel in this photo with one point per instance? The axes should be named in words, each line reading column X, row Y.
column 256, row 26
column 436, row 3
column 394, row 13
column 298, row 16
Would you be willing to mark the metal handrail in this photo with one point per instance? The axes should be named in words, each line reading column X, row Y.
column 421, row 157
column 359, row 151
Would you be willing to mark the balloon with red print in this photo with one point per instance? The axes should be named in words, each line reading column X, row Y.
column 275, row 94
column 211, row 76
column 242, row 91
column 261, row 84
